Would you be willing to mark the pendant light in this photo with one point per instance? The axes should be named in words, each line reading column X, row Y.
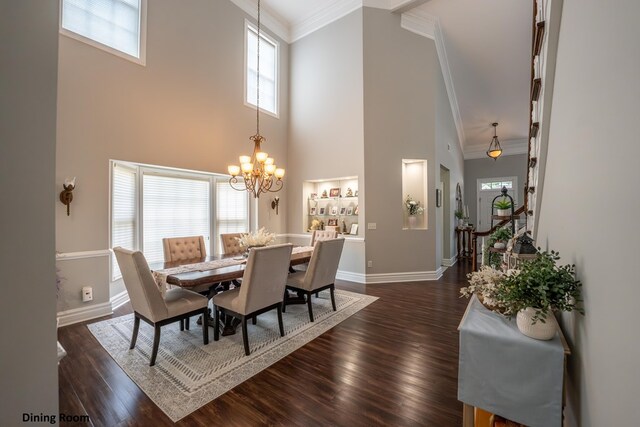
column 494, row 150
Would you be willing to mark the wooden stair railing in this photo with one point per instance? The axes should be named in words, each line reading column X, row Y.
column 476, row 234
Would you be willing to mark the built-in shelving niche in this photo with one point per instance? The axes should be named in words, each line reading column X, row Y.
column 414, row 184
column 329, row 200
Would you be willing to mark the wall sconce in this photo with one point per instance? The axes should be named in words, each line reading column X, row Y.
column 275, row 203
column 66, row 196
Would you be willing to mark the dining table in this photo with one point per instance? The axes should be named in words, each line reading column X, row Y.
column 207, row 275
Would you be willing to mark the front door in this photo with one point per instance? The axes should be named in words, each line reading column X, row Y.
column 488, row 189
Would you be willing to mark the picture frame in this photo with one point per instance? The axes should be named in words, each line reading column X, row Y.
column 334, row 210
column 356, row 210
column 354, row 229
column 313, row 196
column 350, row 210
column 334, row 192
column 313, row 211
column 322, row 211
column 438, row 197
column 332, row 222
column 343, row 211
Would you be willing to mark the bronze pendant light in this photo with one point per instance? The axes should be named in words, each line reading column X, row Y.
column 494, row 150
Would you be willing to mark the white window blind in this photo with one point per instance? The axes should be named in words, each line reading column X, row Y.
column 232, row 211
column 113, row 23
column 123, row 212
column 173, row 207
column 268, row 71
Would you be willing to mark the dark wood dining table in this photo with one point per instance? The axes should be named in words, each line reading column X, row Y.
column 206, row 281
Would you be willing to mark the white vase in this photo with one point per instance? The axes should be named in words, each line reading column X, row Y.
column 413, row 221
column 461, row 223
column 504, row 212
column 539, row 330
column 500, row 245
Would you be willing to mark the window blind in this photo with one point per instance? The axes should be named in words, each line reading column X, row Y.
column 268, row 71
column 114, row 23
column 232, row 211
column 123, row 212
column 173, row 207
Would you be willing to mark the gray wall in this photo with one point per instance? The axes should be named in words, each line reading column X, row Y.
column 590, row 203
column 400, row 91
column 184, row 109
column 488, row 168
column 326, row 126
column 28, row 67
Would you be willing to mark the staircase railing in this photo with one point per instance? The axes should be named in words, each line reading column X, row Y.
column 476, row 234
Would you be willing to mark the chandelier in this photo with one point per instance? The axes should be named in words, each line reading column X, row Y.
column 258, row 172
column 494, row 150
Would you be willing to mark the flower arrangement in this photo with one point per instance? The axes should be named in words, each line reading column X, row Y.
column 258, row 238
column 486, row 284
column 413, row 206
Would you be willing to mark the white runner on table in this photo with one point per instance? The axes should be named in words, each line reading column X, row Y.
column 160, row 276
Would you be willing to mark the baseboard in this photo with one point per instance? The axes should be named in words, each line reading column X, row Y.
column 82, row 314
column 350, row 276
column 449, row 262
column 412, row 276
column 120, row 299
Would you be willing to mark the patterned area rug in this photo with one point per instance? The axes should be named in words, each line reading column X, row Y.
column 188, row 374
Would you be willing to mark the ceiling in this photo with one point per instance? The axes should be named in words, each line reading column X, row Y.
column 487, row 45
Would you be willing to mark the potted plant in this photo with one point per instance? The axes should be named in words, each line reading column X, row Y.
column 503, row 207
column 540, row 287
column 460, row 216
column 500, row 237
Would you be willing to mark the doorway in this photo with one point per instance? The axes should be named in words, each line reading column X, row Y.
column 488, row 189
column 447, row 217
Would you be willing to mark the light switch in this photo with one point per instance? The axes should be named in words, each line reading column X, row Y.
column 372, row 226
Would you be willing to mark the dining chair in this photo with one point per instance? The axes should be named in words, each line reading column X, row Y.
column 148, row 303
column 230, row 244
column 183, row 248
column 262, row 290
column 319, row 235
column 321, row 273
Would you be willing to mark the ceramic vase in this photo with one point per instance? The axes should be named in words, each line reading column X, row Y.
column 413, row 221
column 504, row 212
column 539, row 330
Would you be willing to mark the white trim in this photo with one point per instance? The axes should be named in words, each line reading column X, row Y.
column 142, row 38
column 409, row 276
column 82, row 314
column 511, row 147
column 450, row 262
column 308, row 235
column 427, row 25
column 66, row 256
column 267, row 17
column 350, row 276
column 118, row 300
column 323, row 17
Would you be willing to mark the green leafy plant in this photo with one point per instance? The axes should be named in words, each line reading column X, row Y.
column 502, row 234
column 491, row 258
column 542, row 285
column 502, row 204
column 459, row 214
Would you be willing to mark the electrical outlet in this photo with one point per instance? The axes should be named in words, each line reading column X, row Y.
column 372, row 226
column 87, row 294
column 369, row 264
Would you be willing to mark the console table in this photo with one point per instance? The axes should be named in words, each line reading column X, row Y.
column 507, row 373
column 463, row 238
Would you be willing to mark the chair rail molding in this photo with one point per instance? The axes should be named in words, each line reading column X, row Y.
column 67, row 256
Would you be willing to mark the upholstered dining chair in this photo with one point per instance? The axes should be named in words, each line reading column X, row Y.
column 230, row 244
column 182, row 248
column 319, row 235
column 321, row 273
column 262, row 290
column 148, row 303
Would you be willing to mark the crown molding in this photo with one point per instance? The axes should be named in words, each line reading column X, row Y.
column 323, row 17
column 269, row 19
column 511, row 147
column 427, row 25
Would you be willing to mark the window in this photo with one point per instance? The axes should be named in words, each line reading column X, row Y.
column 149, row 203
column 116, row 26
column 268, row 70
column 496, row 185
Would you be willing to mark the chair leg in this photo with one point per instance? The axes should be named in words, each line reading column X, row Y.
column 181, row 325
column 216, row 323
column 317, row 294
column 309, row 305
column 156, row 343
column 333, row 297
column 205, row 328
column 284, row 301
column 245, row 336
column 280, row 324
column 134, row 336
column 186, row 323
column 254, row 320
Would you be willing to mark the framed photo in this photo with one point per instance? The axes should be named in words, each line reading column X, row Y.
column 438, row 197
column 313, row 210
column 354, row 229
column 356, row 210
column 332, row 222
column 350, row 210
column 322, row 211
column 343, row 211
column 313, row 196
column 334, row 210
column 334, row 192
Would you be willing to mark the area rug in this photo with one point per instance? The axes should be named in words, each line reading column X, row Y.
column 188, row 374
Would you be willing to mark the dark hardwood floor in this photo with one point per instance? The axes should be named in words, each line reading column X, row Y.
column 394, row 363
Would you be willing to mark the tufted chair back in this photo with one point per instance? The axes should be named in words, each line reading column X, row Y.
column 182, row 248
column 319, row 235
column 323, row 265
column 230, row 244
